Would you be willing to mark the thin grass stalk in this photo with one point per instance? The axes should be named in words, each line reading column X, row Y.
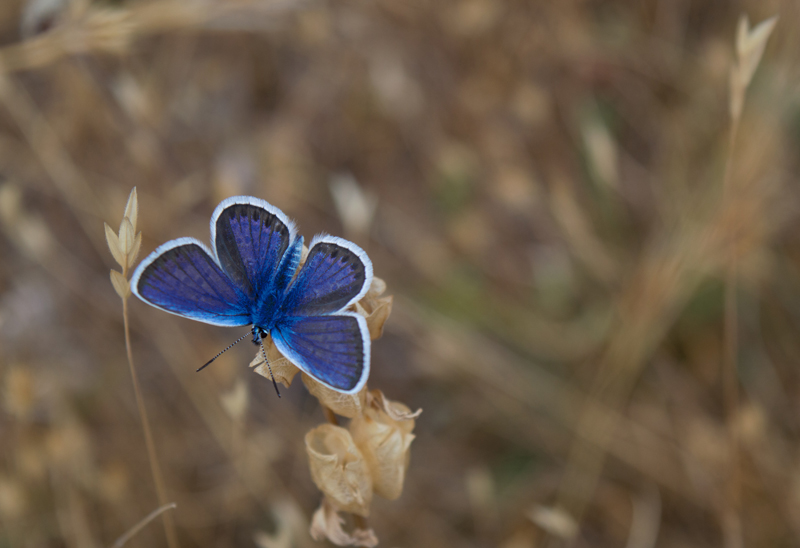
column 130, row 533
column 732, row 524
column 169, row 523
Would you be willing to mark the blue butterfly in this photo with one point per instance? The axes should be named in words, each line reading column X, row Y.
column 250, row 277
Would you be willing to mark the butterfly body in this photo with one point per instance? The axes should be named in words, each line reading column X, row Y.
column 252, row 276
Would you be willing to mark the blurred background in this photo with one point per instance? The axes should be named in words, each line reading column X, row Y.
column 539, row 183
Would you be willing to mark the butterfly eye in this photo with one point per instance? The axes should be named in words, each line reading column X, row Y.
column 258, row 335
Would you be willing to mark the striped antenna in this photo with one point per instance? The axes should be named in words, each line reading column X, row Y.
column 221, row 353
column 266, row 360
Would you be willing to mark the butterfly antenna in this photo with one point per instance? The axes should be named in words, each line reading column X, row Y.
column 266, row 360
column 221, row 353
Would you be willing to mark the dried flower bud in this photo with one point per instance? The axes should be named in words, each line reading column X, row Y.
column 134, row 252
column 283, row 369
column 385, row 440
column 126, row 237
column 374, row 308
column 121, row 285
column 113, row 245
column 396, row 410
column 132, row 209
column 338, row 468
column 345, row 405
column 125, row 245
column 327, row 524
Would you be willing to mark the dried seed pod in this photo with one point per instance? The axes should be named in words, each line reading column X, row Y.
column 338, row 468
column 114, row 245
column 374, row 308
column 345, row 405
column 385, row 440
column 327, row 524
column 132, row 209
column 283, row 369
column 396, row 410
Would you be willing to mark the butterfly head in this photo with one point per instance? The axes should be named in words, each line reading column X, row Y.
column 258, row 335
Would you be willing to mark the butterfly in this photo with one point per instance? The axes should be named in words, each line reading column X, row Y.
column 251, row 275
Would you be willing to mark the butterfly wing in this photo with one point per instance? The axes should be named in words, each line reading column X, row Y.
column 183, row 278
column 336, row 274
column 333, row 349
column 250, row 236
column 316, row 334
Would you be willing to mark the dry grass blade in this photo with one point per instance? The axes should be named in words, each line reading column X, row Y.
column 120, row 542
column 750, row 44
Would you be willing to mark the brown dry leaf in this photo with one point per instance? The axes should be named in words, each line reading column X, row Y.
column 385, row 443
column 282, row 368
column 345, row 405
column 338, row 468
column 121, row 285
column 374, row 308
column 394, row 410
column 327, row 524
column 113, row 245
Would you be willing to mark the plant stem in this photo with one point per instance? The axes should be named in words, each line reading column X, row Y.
column 330, row 415
column 732, row 525
column 169, row 523
column 141, row 525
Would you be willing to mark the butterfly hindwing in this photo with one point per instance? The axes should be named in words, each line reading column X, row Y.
column 333, row 349
column 250, row 237
column 336, row 274
column 182, row 277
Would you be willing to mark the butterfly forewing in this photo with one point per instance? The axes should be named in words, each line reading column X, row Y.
column 250, row 237
column 336, row 274
column 181, row 277
column 333, row 349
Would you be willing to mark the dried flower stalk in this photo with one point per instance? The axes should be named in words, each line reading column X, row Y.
column 124, row 246
column 370, row 456
column 750, row 44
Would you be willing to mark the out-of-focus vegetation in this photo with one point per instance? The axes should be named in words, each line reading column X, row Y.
column 547, row 184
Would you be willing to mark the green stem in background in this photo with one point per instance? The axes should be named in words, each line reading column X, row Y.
column 169, row 523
